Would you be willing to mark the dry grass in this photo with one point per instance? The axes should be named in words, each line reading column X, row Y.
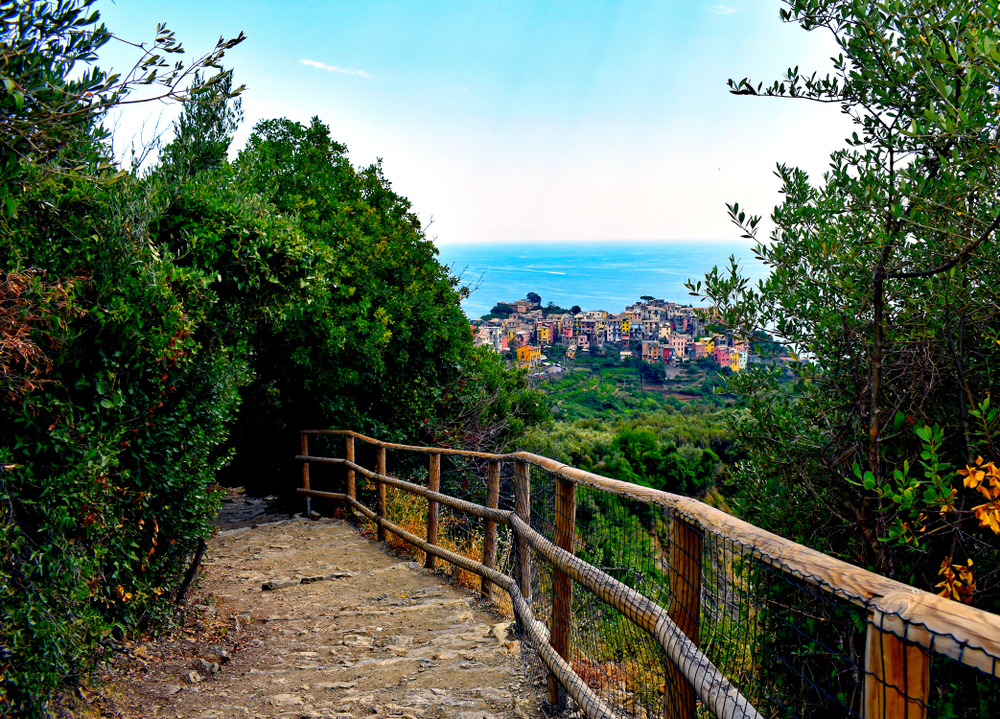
column 409, row 512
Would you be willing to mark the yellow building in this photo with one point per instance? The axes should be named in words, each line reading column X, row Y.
column 528, row 356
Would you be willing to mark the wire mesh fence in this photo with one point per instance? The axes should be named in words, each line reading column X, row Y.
column 659, row 612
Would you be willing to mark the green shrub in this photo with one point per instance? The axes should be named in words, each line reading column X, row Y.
column 117, row 451
column 140, row 315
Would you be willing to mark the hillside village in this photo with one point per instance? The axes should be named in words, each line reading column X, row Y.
column 657, row 331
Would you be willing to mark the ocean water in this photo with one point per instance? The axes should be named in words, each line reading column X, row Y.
column 595, row 275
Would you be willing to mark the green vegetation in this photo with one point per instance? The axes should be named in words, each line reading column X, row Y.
column 157, row 326
column 596, row 386
column 553, row 309
column 685, row 451
column 883, row 278
column 606, row 423
column 500, row 312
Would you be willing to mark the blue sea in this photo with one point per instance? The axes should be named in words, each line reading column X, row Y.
column 595, row 275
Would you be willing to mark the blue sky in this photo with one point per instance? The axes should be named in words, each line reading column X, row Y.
column 526, row 121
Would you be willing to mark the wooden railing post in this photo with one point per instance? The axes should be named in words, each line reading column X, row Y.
column 380, row 491
column 679, row 700
column 433, row 484
column 562, row 585
column 490, row 538
column 897, row 676
column 304, row 446
column 522, row 506
column 352, row 491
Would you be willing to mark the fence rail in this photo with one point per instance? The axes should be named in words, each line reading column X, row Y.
column 732, row 620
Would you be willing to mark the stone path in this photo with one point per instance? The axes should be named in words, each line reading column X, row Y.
column 310, row 619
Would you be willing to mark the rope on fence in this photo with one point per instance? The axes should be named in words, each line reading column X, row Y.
column 677, row 597
column 714, row 689
column 592, row 705
column 493, row 515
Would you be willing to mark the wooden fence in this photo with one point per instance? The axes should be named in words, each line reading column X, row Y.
column 905, row 628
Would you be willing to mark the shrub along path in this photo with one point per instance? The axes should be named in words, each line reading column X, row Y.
column 310, row 619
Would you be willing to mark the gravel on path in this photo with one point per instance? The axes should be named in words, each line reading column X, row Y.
column 299, row 618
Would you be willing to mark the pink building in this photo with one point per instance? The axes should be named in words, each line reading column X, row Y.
column 679, row 345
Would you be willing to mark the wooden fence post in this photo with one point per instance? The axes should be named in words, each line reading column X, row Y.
column 352, row 491
column 433, row 484
column 562, row 585
column 380, row 491
column 304, row 446
column 490, row 538
column 897, row 676
column 679, row 700
column 522, row 506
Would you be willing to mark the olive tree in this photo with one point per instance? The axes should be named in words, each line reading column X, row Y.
column 882, row 284
column 53, row 96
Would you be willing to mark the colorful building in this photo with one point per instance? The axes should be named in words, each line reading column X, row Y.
column 652, row 352
column 679, row 345
column 528, row 356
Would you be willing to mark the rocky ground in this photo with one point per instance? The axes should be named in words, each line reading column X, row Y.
column 299, row 618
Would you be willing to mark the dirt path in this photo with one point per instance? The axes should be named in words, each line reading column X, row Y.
column 310, row 619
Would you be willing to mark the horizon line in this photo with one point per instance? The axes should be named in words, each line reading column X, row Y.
column 441, row 243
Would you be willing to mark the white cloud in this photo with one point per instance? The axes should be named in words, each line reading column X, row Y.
column 333, row 68
column 720, row 9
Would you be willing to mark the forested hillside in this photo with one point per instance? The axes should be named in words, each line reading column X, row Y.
column 605, row 421
column 161, row 325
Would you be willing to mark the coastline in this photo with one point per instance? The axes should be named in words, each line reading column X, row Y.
column 594, row 275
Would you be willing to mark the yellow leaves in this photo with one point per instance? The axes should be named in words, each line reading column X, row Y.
column 123, row 596
column 974, row 475
column 156, row 535
column 989, row 516
column 985, row 479
column 958, row 584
